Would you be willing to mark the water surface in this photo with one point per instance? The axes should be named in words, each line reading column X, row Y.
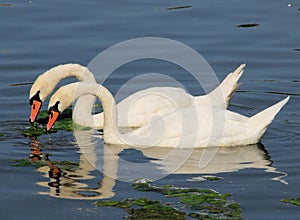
column 36, row 36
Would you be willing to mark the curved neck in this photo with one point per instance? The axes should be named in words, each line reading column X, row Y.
column 110, row 125
column 53, row 76
column 47, row 82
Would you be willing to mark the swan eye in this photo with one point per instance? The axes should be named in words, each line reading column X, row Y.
column 36, row 97
column 53, row 108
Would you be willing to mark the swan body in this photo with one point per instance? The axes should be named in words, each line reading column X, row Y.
column 135, row 110
column 190, row 127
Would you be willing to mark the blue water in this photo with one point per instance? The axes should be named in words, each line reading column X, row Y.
column 37, row 35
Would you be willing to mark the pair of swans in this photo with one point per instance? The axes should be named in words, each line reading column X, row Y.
column 196, row 125
column 135, row 110
column 190, row 127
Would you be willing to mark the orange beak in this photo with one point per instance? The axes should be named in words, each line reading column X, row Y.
column 52, row 119
column 35, row 108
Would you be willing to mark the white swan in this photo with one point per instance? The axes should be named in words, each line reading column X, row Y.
column 195, row 126
column 135, row 110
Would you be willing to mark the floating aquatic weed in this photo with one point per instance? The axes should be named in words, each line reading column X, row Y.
column 167, row 186
column 153, row 209
column 120, row 204
column 249, row 25
column 28, row 162
column 212, row 178
column 64, row 123
column 43, row 117
column 34, row 131
column 205, row 201
column 199, row 203
column 143, row 208
column 1, row 135
column 292, row 201
column 65, row 165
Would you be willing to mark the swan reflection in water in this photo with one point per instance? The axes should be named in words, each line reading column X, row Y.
column 127, row 164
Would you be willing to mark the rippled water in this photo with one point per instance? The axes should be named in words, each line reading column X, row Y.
column 38, row 35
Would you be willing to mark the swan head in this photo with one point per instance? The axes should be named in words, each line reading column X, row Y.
column 39, row 91
column 36, row 104
column 44, row 85
column 53, row 113
column 59, row 101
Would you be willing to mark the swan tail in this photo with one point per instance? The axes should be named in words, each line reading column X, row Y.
column 230, row 84
column 228, row 87
column 259, row 123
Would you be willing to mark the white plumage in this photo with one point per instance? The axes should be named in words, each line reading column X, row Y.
column 137, row 109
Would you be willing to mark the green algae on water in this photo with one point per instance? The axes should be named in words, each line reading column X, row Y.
column 34, row 131
column 64, row 123
column 194, row 203
column 120, row 204
column 143, row 208
column 153, row 209
column 65, row 165
column 205, row 201
column 28, row 162
column 292, row 201
column 212, row 178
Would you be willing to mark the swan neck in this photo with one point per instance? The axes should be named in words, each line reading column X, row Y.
column 71, row 70
column 111, row 132
column 110, row 123
column 53, row 76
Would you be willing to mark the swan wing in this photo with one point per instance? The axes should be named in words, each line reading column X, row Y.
column 137, row 109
